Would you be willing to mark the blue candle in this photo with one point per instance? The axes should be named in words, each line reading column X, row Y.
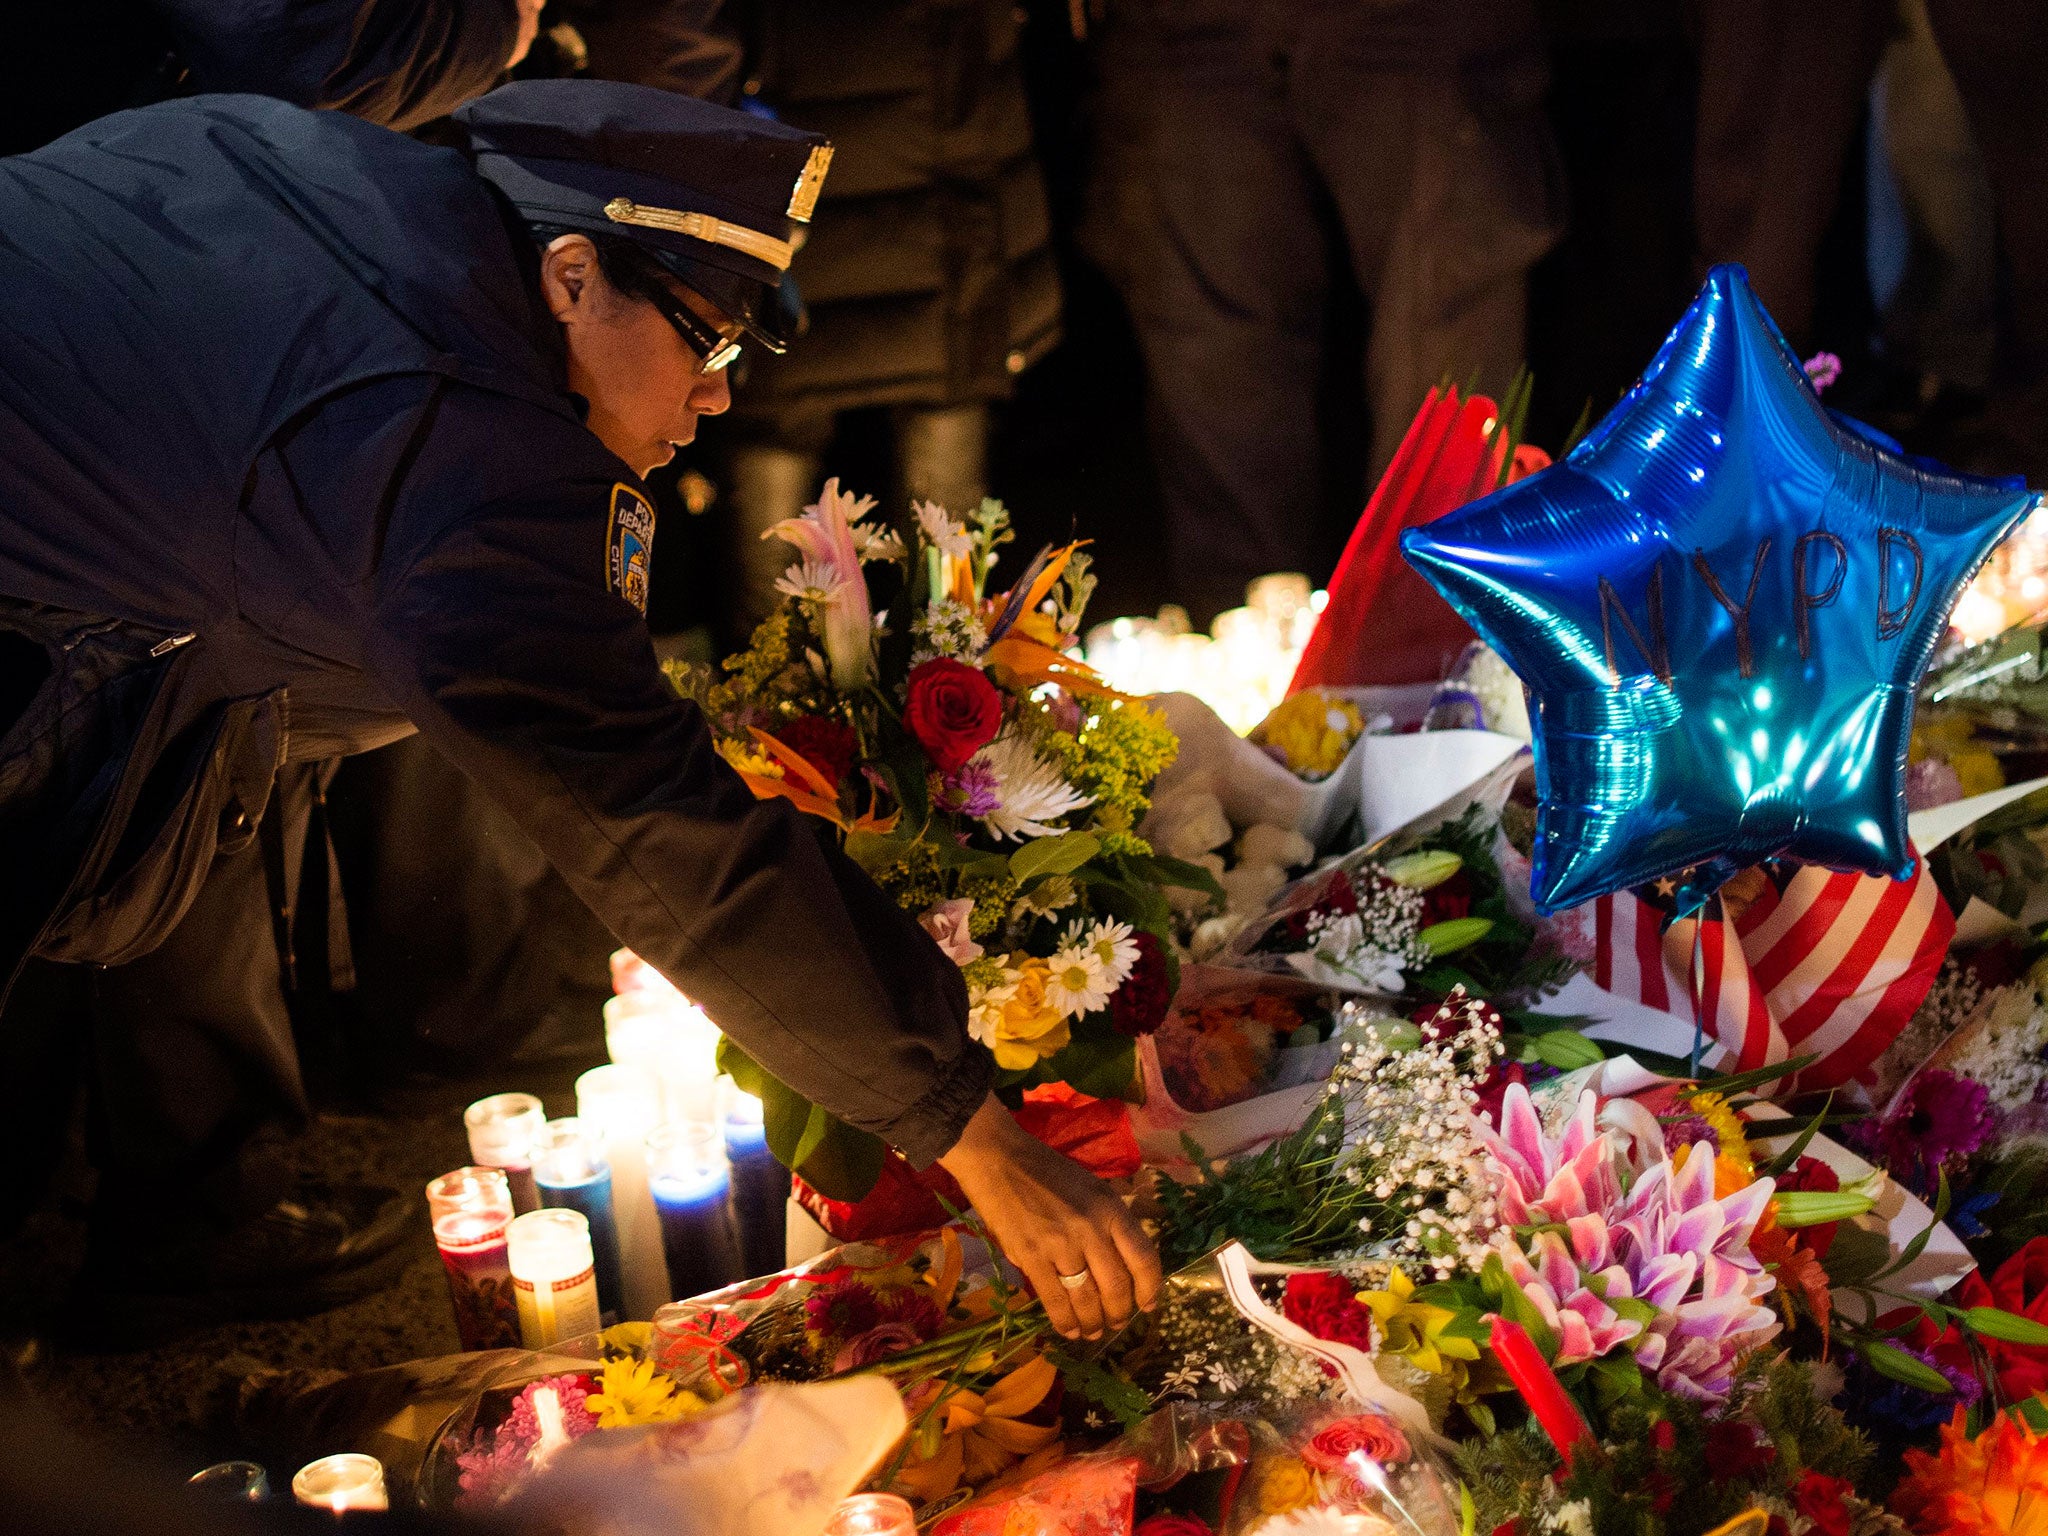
column 688, row 1177
column 570, row 1171
column 760, row 1187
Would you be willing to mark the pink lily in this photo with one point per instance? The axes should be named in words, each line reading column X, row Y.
column 828, row 576
column 1544, row 1180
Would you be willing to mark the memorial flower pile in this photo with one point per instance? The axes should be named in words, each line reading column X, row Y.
column 977, row 769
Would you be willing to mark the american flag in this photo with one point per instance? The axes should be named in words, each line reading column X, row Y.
column 1811, row 963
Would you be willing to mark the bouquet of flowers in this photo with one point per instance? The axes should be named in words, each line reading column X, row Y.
column 984, row 776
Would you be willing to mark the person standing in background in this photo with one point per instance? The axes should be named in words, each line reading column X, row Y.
column 1252, row 156
column 397, row 63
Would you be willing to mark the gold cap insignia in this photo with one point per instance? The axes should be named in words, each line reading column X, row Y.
column 702, row 226
column 810, row 183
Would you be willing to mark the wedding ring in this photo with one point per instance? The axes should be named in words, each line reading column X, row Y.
column 1075, row 1281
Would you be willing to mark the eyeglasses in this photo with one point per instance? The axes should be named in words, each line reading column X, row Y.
column 716, row 347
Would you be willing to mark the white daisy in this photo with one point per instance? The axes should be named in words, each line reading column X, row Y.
column 812, row 581
column 939, row 529
column 1031, row 790
column 1115, row 944
column 1078, row 985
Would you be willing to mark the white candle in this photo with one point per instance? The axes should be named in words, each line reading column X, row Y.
column 622, row 1104
column 340, row 1483
column 554, row 1275
column 671, row 1038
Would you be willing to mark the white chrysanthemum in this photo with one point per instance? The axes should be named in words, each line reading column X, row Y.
column 939, row 529
column 810, row 581
column 1078, row 985
column 1031, row 789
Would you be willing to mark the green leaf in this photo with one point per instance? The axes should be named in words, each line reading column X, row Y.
column 838, row 1161
column 1566, row 1050
column 1102, row 1067
column 1791, row 1155
column 1158, row 869
column 2033, row 1413
column 1856, row 1255
column 873, row 851
column 2009, row 1327
column 1060, row 855
column 1615, row 1378
column 1740, row 1082
column 1459, row 933
column 1888, row 1360
column 845, row 1162
column 1815, row 1207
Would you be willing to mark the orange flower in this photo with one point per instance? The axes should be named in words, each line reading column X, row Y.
column 981, row 1435
column 1994, row 1485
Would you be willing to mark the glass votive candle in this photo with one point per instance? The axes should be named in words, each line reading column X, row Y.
column 341, row 1483
column 671, row 1039
column 471, row 1209
column 690, row 1182
column 571, row 1172
column 760, row 1185
column 554, row 1276
column 501, row 1131
column 234, row 1481
column 872, row 1514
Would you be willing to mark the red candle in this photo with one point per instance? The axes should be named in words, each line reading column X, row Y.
column 1540, row 1388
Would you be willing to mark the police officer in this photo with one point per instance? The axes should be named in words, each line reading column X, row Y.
column 312, row 435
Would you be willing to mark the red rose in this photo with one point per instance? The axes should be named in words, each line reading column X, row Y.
column 1820, row 1498
column 1171, row 1524
column 953, row 711
column 1364, row 1433
column 1326, row 1306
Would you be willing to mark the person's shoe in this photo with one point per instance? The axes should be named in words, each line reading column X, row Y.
column 322, row 1247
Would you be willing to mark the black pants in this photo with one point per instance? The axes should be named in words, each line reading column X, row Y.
column 1240, row 144
column 188, row 1054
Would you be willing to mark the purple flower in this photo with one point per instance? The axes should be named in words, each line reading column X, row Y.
column 496, row 1462
column 972, row 789
column 1686, row 1132
column 1822, row 369
column 1937, row 1120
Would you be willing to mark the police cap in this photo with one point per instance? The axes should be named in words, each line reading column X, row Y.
column 715, row 195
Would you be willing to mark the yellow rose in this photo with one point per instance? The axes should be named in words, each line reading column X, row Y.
column 1282, row 1483
column 1022, row 1027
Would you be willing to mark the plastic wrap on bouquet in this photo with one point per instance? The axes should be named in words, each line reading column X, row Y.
column 1225, row 1068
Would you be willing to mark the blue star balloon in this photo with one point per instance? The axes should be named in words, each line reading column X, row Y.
column 1722, row 600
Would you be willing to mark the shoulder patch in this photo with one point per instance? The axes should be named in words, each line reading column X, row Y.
column 629, row 545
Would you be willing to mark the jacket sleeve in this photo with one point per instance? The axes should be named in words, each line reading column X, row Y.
column 397, row 63
column 499, row 637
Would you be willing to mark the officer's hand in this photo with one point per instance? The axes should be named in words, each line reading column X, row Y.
column 1052, row 1218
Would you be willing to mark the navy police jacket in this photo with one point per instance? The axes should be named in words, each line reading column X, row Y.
column 288, row 470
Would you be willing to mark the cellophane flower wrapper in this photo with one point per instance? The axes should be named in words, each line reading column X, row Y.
column 1235, row 1034
column 468, row 1436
